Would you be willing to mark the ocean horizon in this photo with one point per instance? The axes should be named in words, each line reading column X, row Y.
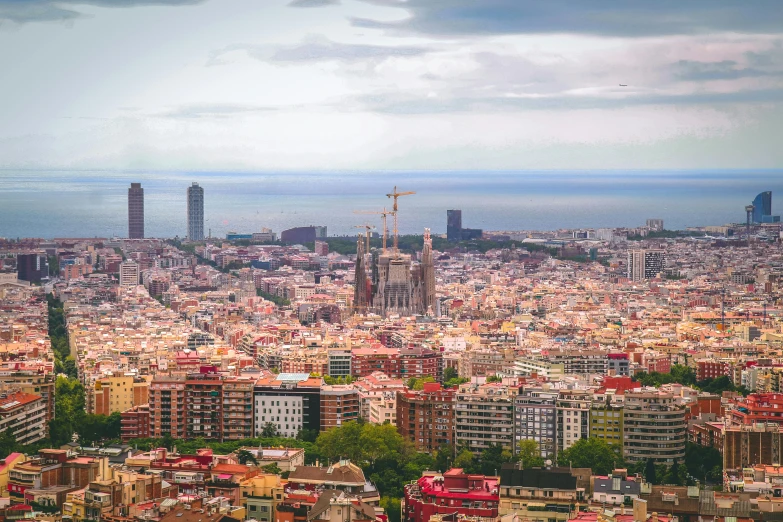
column 89, row 203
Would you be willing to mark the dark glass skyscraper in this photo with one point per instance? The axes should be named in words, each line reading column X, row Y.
column 136, row 211
column 195, row 212
column 453, row 225
column 763, row 206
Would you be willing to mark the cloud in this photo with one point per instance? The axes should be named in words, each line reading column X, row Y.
column 633, row 18
column 215, row 110
column 319, row 49
column 25, row 11
column 313, row 3
column 403, row 104
column 688, row 70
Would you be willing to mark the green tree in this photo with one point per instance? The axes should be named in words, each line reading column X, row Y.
column 494, row 378
column 592, row 453
column 450, row 373
column 650, row 473
column 529, row 454
column 418, row 384
column 443, row 458
column 272, row 468
column 392, row 507
column 464, row 459
column 8, row 443
column 244, row 457
column 269, row 430
column 492, row 459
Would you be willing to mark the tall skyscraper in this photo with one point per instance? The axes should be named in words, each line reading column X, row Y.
column 453, row 225
column 645, row 264
column 762, row 206
column 762, row 209
column 428, row 274
column 136, row 211
column 195, row 212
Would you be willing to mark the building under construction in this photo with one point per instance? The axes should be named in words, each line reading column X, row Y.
column 394, row 283
column 389, row 282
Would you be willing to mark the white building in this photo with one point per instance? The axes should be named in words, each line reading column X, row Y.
column 645, row 264
column 129, row 273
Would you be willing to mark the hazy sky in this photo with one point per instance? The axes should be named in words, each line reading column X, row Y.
column 391, row 84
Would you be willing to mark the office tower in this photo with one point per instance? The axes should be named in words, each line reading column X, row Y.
column 645, row 264
column 129, row 273
column 136, row 211
column 31, row 267
column 453, row 225
column 655, row 224
column 195, row 212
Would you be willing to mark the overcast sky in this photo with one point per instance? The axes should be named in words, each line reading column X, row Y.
column 391, row 84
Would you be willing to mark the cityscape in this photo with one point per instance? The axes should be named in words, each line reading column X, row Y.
column 476, row 374
column 391, row 261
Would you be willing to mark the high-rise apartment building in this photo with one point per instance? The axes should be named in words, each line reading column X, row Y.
column 535, row 417
column 655, row 225
column 167, row 406
column 645, row 264
column 654, row 428
column 484, row 416
column 453, row 225
column 129, row 273
column 573, row 416
column 195, row 212
column 426, row 417
column 136, row 211
column 339, row 404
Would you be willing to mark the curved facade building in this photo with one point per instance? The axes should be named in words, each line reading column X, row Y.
column 654, row 427
column 763, row 206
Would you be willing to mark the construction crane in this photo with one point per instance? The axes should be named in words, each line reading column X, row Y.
column 383, row 215
column 368, row 227
column 396, row 195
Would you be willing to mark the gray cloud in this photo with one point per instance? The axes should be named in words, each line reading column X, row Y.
column 688, row 70
column 313, row 3
column 630, row 18
column 217, row 110
column 319, row 49
column 396, row 103
column 24, row 11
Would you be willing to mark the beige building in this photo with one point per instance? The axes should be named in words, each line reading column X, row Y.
column 260, row 496
column 484, row 415
column 116, row 393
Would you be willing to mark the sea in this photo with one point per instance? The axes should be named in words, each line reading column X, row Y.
column 68, row 203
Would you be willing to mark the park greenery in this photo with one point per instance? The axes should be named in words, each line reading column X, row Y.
column 279, row 301
column 680, row 374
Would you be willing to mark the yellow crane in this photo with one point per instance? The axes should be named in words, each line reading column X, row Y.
column 396, row 195
column 368, row 227
column 383, row 215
